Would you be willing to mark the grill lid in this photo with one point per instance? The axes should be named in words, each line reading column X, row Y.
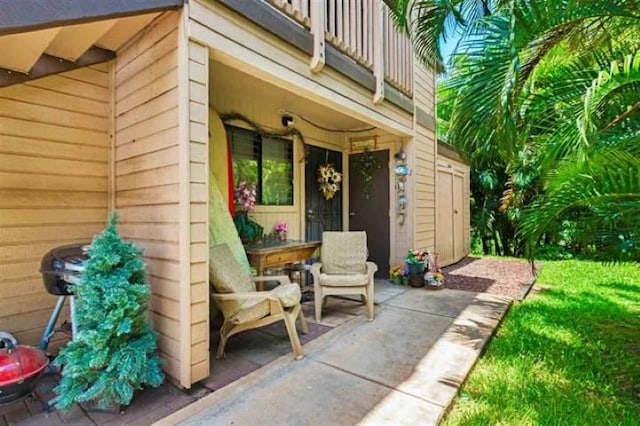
column 19, row 362
column 63, row 266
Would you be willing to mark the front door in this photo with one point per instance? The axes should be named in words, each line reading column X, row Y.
column 321, row 214
column 371, row 213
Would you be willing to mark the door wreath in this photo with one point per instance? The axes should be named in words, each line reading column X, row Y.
column 329, row 181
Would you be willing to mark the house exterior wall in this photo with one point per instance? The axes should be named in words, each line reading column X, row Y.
column 54, row 153
column 424, row 160
column 132, row 135
column 147, row 184
column 198, row 172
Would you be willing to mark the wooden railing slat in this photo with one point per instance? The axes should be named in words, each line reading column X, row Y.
column 363, row 30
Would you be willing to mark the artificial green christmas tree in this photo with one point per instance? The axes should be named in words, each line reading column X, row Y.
column 114, row 351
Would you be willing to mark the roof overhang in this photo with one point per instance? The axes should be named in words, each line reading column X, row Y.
column 44, row 37
column 32, row 15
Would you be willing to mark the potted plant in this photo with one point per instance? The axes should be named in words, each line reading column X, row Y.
column 434, row 277
column 416, row 260
column 280, row 230
column 249, row 230
column 399, row 274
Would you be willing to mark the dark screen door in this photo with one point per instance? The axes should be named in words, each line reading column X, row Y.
column 372, row 214
column 321, row 214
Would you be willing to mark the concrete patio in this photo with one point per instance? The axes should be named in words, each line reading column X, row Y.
column 405, row 367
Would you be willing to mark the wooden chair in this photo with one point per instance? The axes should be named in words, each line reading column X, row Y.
column 244, row 308
column 343, row 269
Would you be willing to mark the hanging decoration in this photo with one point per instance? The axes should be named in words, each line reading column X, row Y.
column 329, row 180
column 367, row 164
column 401, row 171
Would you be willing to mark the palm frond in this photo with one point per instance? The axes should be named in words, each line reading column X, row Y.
column 605, row 184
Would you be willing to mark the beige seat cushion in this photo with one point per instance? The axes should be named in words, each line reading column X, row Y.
column 252, row 310
column 225, row 273
column 289, row 294
column 344, row 253
column 344, row 280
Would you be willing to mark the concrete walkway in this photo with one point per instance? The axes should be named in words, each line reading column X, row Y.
column 405, row 367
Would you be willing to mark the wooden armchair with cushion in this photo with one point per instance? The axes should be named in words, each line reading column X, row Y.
column 343, row 269
column 244, row 308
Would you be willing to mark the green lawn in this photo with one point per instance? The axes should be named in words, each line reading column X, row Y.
column 569, row 355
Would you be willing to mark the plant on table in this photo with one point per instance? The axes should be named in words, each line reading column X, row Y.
column 248, row 228
column 280, row 229
column 114, row 351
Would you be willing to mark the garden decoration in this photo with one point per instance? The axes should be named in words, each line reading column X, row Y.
column 401, row 172
column 415, row 261
column 433, row 277
column 399, row 274
column 367, row 164
column 329, row 180
column 249, row 230
column 114, row 352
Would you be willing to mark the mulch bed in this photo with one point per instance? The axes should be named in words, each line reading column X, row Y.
column 503, row 277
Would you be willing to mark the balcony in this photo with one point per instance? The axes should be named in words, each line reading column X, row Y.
column 355, row 37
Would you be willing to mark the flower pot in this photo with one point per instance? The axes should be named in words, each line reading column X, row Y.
column 416, row 280
column 416, row 268
column 282, row 235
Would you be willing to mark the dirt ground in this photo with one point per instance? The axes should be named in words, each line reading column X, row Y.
column 509, row 277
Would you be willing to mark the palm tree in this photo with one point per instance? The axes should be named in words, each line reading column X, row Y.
column 431, row 22
column 538, row 92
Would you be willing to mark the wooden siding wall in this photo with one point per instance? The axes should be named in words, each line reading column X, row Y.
column 264, row 111
column 147, row 189
column 424, row 94
column 198, row 67
column 424, row 164
column 54, row 151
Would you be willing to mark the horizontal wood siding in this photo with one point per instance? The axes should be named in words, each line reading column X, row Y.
column 199, row 193
column 54, row 151
column 424, row 94
column 146, row 169
column 424, row 167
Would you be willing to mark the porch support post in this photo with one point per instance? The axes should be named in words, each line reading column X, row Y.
column 378, row 50
column 318, row 8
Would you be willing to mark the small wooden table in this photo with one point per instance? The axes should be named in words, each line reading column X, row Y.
column 280, row 253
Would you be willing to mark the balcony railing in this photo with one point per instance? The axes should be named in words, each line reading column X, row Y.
column 362, row 30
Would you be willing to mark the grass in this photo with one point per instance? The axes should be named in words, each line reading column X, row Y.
column 568, row 355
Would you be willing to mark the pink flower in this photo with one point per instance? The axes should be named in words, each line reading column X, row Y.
column 281, row 227
column 245, row 195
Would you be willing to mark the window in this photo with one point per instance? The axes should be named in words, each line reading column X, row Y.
column 265, row 161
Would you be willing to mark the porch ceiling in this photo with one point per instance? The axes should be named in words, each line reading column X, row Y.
column 34, row 54
column 241, row 85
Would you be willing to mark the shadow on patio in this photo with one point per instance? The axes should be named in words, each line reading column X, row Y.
column 403, row 368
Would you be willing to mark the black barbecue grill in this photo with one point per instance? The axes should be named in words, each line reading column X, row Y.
column 61, row 267
column 20, row 365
